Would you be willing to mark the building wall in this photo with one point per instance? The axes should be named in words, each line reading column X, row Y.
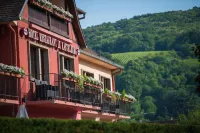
column 28, row 87
column 96, row 70
column 6, row 45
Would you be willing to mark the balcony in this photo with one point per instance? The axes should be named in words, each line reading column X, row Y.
column 64, row 91
column 68, row 91
column 118, row 106
column 10, row 77
column 9, row 89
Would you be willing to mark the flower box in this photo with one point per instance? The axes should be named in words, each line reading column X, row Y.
column 18, row 75
column 107, row 95
column 7, row 73
column 59, row 15
column 11, row 70
column 48, row 6
column 69, row 79
column 41, row 6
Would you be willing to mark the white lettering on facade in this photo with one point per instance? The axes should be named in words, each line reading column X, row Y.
column 51, row 41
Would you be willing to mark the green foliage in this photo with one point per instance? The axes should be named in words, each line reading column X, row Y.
column 128, row 56
column 156, row 50
column 123, row 93
column 163, row 85
column 106, row 91
column 10, row 125
column 174, row 30
column 193, row 118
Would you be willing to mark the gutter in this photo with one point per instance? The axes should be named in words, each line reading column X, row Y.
column 115, row 72
column 16, row 56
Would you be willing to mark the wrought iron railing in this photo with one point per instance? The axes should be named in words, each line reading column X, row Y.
column 118, row 107
column 9, row 87
column 65, row 90
column 69, row 91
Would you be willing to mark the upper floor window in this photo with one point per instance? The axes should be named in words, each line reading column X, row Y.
column 106, row 83
column 66, row 63
column 88, row 74
column 48, row 21
column 39, row 64
column 38, row 16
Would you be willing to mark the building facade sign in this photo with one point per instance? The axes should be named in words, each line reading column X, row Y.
column 49, row 41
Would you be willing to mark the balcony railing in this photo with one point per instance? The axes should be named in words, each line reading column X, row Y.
column 68, row 90
column 65, row 90
column 116, row 107
column 9, row 87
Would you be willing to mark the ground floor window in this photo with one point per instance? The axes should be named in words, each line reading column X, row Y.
column 39, row 63
column 106, row 83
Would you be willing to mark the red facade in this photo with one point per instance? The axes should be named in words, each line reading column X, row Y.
column 44, row 45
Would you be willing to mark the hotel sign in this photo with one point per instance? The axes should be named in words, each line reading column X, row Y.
column 49, row 41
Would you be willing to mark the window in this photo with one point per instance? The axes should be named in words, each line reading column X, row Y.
column 106, row 83
column 39, row 64
column 34, row 61
column 66, row 63
column 48, row 21
column 88, row 74
column 59, row 26
column 38, row 16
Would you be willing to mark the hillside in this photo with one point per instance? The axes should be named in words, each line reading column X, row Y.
column 128, row 56
column 174, row 30
column 159, row 64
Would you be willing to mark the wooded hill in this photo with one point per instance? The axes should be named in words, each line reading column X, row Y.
column 174, row 30
column 162, row 82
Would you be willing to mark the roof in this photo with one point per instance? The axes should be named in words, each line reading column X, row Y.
column 96, row 56
column 80, row 11
column 76, row 24
column 88, row 50
column 10, row 10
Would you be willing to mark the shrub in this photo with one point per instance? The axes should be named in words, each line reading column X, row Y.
column 13, row 125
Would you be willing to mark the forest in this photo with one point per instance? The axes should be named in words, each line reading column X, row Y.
column 163, row 84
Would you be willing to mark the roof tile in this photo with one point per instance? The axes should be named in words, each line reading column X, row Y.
column 10, row 9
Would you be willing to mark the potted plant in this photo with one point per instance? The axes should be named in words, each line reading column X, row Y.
column 80, row 81
column 123, row 95
column 106, row 91
column 113, row 97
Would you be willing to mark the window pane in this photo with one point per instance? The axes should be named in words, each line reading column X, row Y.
column 106, row 83
column 42, row 64
column 88, row 74
column 34, row 71
column 66, row 63
column 39, row 63
column 59, row 26
column 38, row 16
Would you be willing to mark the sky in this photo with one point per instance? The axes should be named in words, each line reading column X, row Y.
column 100, row 11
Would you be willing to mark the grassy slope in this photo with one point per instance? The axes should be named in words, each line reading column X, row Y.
column 126, row 57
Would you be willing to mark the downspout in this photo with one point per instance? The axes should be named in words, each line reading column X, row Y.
column 15, row 62
column 15, row 46
column 115, row 72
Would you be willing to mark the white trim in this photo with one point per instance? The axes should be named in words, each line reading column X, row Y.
column 39, row 46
